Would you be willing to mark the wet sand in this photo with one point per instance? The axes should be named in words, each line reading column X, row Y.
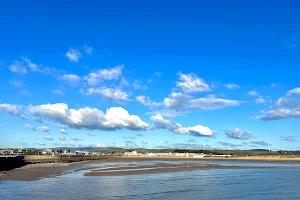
column 161, row 168
column 38, row 171
column 34, row 172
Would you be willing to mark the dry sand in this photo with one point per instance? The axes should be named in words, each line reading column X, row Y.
column 38, row 171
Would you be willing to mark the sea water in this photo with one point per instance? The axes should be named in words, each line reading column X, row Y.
column 282, row 182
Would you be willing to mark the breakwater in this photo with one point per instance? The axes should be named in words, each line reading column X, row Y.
column 12, row 162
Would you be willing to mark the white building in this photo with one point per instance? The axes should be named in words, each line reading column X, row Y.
column 132, row 153
column 82, row 153
column 160, row 154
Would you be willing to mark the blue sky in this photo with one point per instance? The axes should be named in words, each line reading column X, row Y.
column 150, row 74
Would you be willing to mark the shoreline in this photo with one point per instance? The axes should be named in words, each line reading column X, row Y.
column 33, row 172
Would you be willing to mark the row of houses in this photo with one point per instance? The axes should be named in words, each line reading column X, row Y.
column 194, row 155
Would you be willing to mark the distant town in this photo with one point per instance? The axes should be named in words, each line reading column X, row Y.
column 144, row 152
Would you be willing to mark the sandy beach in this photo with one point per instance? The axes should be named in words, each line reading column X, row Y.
column 37, row 171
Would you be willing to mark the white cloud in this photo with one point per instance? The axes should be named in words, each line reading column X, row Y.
column 71, row 79
column 293, row 91
column 288, row 138
column 40, row 143
column 37, row 119
column 30, row 65
column 98, row 145
column 48, row 138
column 73, row 55
column 212, row 103
column 137, row 85
column 28, row 126
column 198, row 130
column 63, row 131
column 238, row 134
column 252, row 93
column 75, row 139
column 283, row 108
column 17, row 84
column 43, row 128
column 90, row 118
column 124, row 82
column 146, row 101
column 260, row 142
column 230, row 144
column 232, row 86
column 191, row 83
column 109, row 93
column 88, row 49
column 91, row 134
column 260, row 100
column 273, row 85
column 104, row 74
column 158, row 74
column 178, row 100
column 57, row 91
column 18, row 67
column 10, row 109
column 62, row 138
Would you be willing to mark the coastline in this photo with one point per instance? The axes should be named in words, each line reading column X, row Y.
column 33, row 172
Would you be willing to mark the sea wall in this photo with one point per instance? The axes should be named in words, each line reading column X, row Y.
column 41, row 158
column 8, row 163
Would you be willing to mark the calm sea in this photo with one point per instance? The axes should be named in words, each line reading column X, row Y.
column 245, row 184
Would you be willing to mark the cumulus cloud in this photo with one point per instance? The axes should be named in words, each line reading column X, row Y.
column 10, row 109
column 293, row 91
column 238, row 134
column 90, row 118
column 260, row 142
column 283, row 108
column 191, row 83
column 71, row 79
column 288, row 138
column 146, row 101
column 63, row 131
column 260, row 100
column 48, row 138
column 43, row 128
column 252, row 93
column 91, row 134
column 232, row 86
column 18, row 68
column 100, row 75
column 73, row 55
column 108, row 93
column 198, row 130
column 28, row 126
